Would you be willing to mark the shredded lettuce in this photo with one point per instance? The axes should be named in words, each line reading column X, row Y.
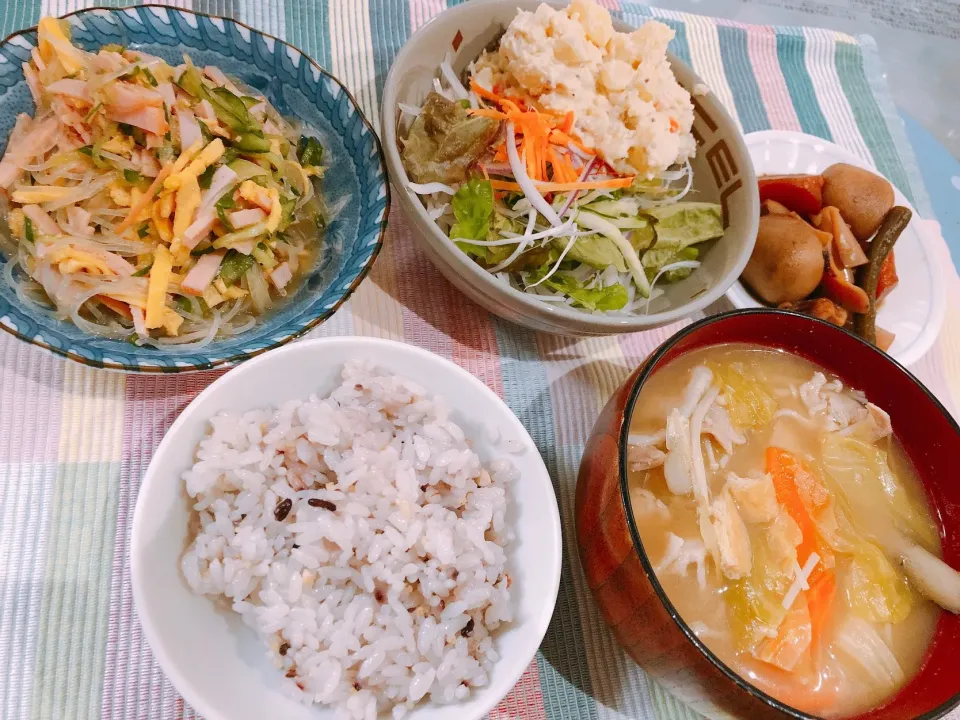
column 655, row 259
column 686, row 223
column 597, row 251
column 473, row 209
column 612, row 297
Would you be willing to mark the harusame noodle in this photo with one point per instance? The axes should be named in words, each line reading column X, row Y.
column 161, row 204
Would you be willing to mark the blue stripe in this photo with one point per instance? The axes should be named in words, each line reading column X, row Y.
column 308, row 27
column 791, row 53
column 390, row 20
column 873, row 127
column 562, row 662
column 741, row 78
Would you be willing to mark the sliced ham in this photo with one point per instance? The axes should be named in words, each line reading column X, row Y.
column 281, row 276
column 33, row 83
column 201, row 226
column 138, row 321
column 221, row 183
column 126, row 97
column 244, row 218
column 36, row 140
column 151, row 119
column 205, row 110
column 245, row 246
column 78, row 221
column 71, row 88
column 166, row 92
column 116, row 263
column 41, row 221
column 202, row 274
column 107, row 61
column 189, row 127
column 146, row 163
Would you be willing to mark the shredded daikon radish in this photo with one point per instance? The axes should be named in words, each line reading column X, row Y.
column 431, row 188
column 526, row 184
column 451, row 77
column 799, row 584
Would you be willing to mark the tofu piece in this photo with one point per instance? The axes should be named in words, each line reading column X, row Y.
column 755, row 497
column 730, row 532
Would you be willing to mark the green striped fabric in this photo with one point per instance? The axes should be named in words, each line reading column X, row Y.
column 74, row 442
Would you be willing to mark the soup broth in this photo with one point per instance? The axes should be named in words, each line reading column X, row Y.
column 768, row 497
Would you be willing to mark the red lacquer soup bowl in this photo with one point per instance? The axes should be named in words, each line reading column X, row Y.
column 621, row 576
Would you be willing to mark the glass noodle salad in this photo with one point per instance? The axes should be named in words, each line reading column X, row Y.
column 560, row 163
column 167, row 205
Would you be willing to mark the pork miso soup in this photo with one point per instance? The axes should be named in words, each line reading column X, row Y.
column 787, row 526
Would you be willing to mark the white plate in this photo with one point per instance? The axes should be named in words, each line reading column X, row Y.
column 219, row 664
column 913, row 310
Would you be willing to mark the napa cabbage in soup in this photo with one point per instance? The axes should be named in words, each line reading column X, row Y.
column 787, row 526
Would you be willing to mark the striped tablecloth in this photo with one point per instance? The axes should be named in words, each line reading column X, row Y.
column 74, row 442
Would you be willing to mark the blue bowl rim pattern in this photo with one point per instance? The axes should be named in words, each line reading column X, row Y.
column 237, row 358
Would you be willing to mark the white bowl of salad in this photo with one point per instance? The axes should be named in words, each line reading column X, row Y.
column 565, row 171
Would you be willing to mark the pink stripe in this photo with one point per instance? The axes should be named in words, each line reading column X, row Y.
column 421, row 12
column 637, row 347
column 31, row 390
column 525, row 700
column 436, row 316
column 573, row 391
column 611, row 5
column 132, row 679
column 762, row 48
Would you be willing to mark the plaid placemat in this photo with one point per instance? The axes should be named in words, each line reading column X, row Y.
column 74, row 442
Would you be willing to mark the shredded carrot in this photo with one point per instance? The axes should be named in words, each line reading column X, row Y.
column 537, row 132
column 120, row 308
column 503, row 102
column 489, row 113
column 612, row 183
column 785, row 469
column 795, row 689
column 562, row 169
column 559, row 137
column 820, row 601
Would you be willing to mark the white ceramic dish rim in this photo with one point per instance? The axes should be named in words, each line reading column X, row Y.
column 741, row 298
column 490, row 285
column 367, row 346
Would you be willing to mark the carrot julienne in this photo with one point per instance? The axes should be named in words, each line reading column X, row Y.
column 544, row 142
column 612, row 183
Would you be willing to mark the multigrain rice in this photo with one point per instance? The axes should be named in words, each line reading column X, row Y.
column 361, row 537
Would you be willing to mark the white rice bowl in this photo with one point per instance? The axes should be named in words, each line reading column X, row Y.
column 362, row 535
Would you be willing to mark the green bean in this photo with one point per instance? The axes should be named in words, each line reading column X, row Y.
column 868, row 276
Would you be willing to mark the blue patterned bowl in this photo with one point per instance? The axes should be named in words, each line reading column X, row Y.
column 297, row 87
